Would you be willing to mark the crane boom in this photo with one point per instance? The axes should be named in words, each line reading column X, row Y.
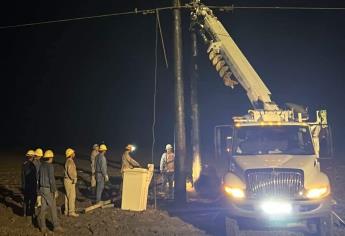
column 228, row 59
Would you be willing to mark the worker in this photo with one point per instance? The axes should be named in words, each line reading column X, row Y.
column 70, row 181
column 101, row 172
column 127, row 161
column 29, row 184
column 37, row 162
column 167, row 169
column 48, row 192
column 93, row 155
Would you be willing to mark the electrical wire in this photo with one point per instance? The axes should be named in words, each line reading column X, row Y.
column 154, row 110
column 161, row 34
column 232, row 7
column 293, row 8
column 144, row 12
column 153, row 10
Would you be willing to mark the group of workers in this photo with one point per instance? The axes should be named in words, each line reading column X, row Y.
column 40, row 191
column 39, row 188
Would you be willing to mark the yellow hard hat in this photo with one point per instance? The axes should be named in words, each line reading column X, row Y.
column 69, row 152
column 30, row 153
column 39, row 152
column 102, row 147
column 48, row 154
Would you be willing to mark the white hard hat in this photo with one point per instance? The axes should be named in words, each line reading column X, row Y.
column 168, row 146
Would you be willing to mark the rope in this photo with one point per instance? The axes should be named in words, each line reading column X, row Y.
column 154, row 110
column 161, row 34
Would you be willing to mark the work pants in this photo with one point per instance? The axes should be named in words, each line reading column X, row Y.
column 168, row 180
column 69, row 197
column 99, row 186
column 48, row 204
column 29, row 203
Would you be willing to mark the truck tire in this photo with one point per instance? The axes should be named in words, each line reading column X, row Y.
column 231, row 227
column 326, row 225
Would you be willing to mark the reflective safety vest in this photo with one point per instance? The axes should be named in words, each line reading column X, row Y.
column 169, row 162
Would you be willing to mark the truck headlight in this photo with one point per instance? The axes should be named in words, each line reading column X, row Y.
column 235, row 192
column 276, row 207
column 315, row 193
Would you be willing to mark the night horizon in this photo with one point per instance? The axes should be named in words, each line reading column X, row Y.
column 79, row 78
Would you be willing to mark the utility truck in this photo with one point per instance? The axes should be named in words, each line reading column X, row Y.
column 274, row 177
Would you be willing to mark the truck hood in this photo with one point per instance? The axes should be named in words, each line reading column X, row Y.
column 302, row 162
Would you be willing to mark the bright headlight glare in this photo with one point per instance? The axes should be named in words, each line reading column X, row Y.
column 234, row 192
column 276, row 207
column 317, row 192
column 133, row 148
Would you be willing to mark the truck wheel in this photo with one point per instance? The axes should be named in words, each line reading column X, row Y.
column 231, row 227
column 325, row 225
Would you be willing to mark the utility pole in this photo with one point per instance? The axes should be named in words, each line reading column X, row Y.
column 181, row 153
column 194, row 73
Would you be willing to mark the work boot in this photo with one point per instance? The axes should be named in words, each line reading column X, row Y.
column 44, row 230
column 58, row 229
column 73, row 214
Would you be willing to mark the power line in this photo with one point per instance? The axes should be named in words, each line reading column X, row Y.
column 232, row 7
column 153, row 11
column 144, row 12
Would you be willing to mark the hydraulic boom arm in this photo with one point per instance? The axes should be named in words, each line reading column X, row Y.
column 229, row 60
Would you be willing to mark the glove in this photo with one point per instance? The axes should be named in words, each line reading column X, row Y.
column 56, row 194
column 39, row 201
column 106, row 178
column 93, row 181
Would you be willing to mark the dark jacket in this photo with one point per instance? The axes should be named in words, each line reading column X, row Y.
column 29, row 180
column 37, row 164
column 101, row 164
column 47, row 178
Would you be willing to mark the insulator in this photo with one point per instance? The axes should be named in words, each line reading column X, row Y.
column 216, row 59
column 223, row 71
column 212, row 54
column 227, row 75
column 220, row 65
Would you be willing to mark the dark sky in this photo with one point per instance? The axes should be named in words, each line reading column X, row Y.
column 77, row 83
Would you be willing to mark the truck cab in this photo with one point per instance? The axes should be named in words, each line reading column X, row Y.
column 274, row 177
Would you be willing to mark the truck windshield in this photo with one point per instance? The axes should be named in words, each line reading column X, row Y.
column 263, row 140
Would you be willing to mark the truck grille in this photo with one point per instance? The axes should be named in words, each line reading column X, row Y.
column 274, row 182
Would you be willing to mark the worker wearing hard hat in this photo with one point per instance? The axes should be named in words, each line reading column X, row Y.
column 127, row 161
column 101, row 172
column 37, row 162
column 167, row 169
column 29, row 184
column 93, row 156
column 48, row 192
column 70, row 181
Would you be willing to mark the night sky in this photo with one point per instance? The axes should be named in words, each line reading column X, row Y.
column 83, row 82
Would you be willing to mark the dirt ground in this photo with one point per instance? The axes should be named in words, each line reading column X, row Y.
column 199, row 217
column 110, row 221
